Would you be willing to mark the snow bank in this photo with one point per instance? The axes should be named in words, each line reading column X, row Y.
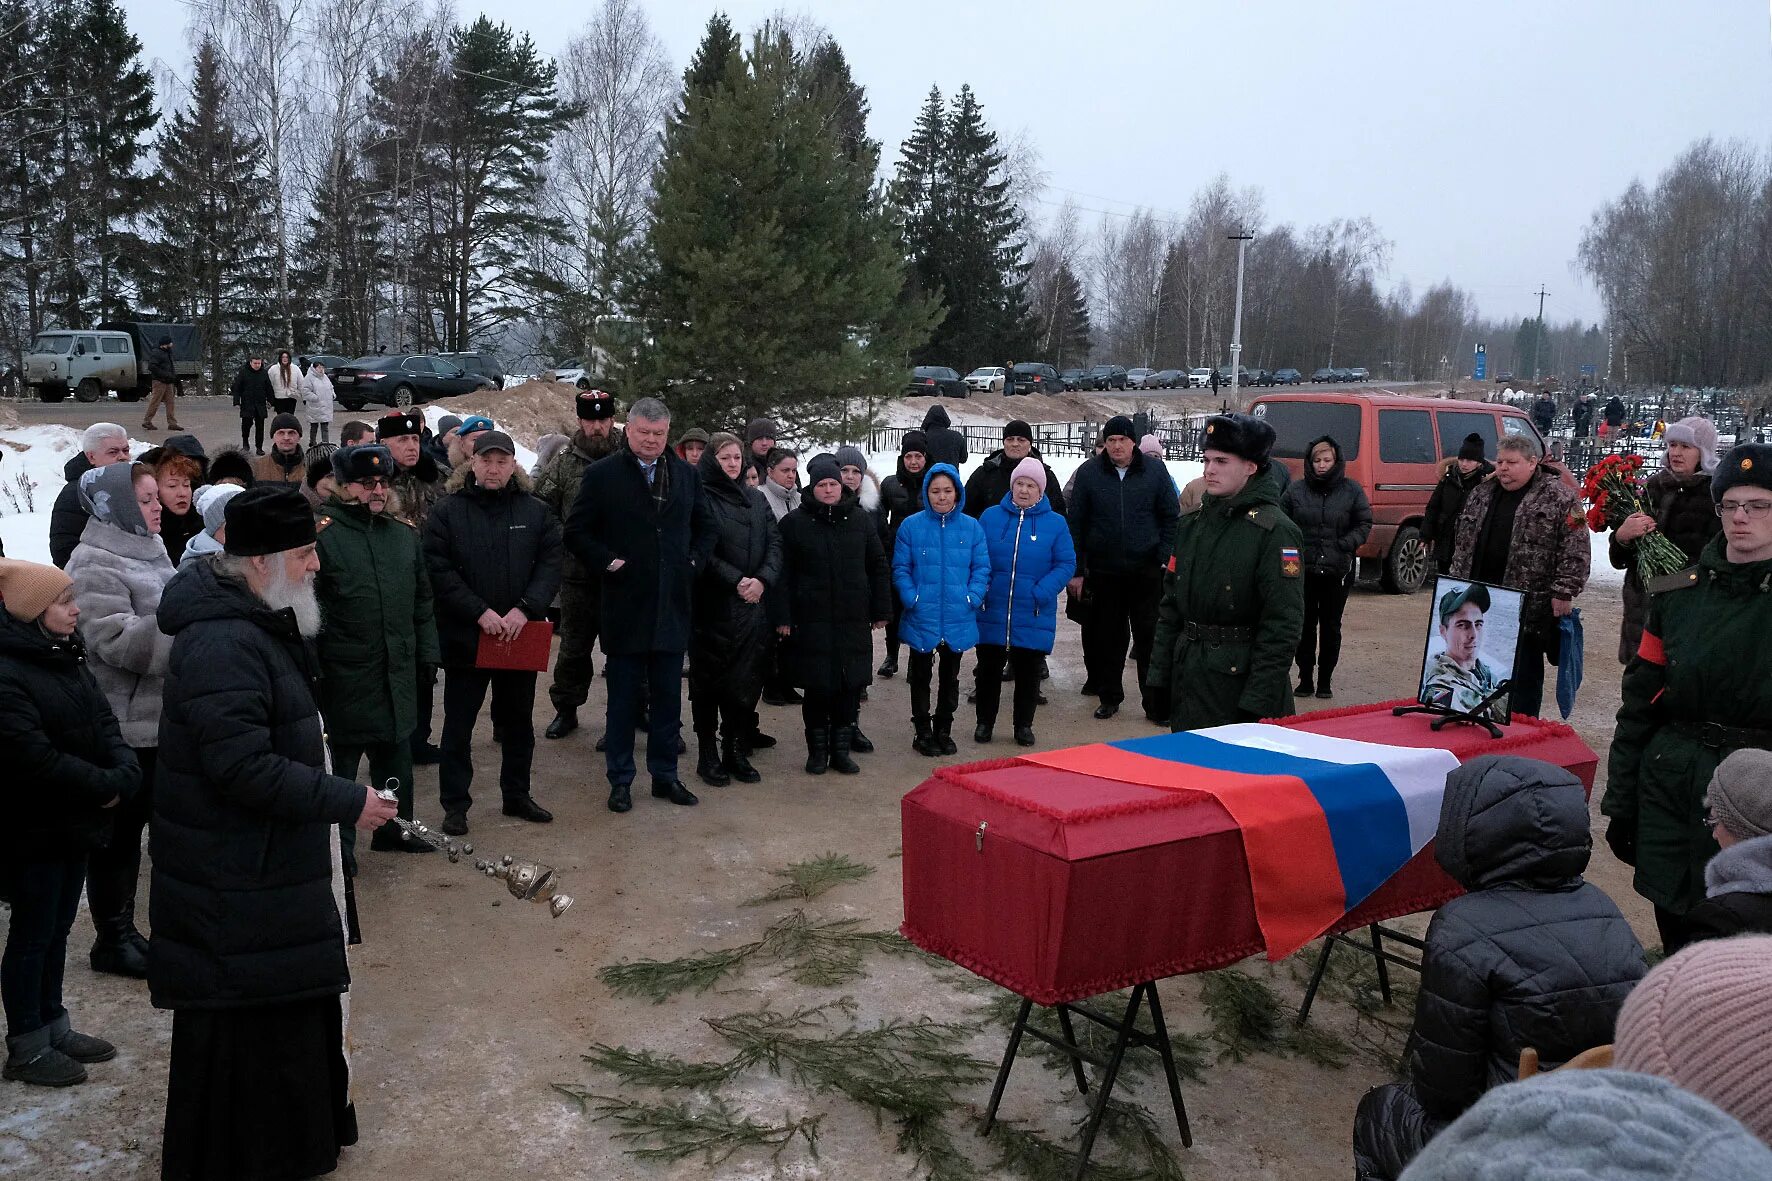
column 31, row 463
column 525, row 457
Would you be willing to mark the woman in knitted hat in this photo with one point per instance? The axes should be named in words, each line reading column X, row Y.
column 1677, row 502
column 212, row 503
column 1738, row 880
column 1031, row 559
column 1699, row 687
column 119, row 570
column 1703, row 1019
column 1458, row 475
column 71, row 767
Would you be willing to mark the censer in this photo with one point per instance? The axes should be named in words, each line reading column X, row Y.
column 530, row 881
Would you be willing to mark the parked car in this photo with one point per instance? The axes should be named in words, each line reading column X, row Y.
column 1108, row 377
column 1359, row 374
column 113, row 356
column 1032, row 377
column 1135, row 378
column 1199, row 378
column 1286, row 377
column 1256, row 377
column 935, row 381
column 1342, row 374
column 1073, row 379
column 330, row 360
column 986, row 379
column 1503, row 378
column 484, row 364
column 572, row 371
column 1324, row 374
column 402, row 380
column 1166, row 379
column 1394, row 447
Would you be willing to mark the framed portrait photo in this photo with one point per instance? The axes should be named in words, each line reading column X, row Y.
column 1472, row 631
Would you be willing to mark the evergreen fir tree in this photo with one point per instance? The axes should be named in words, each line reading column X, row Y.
column 964, row 235
column 1064, row 320
column 342, row 257
column 213, row 242
column 24, row 199
column 773, row 278
column 831, row 84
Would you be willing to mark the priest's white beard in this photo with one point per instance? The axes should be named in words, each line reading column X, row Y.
column 296, row 594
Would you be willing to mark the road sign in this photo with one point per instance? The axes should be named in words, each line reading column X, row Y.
column 1589, row 370
column 1482, row 369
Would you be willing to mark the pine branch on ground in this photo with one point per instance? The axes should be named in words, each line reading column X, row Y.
column 809, row 879
column 817, row 953
column 664, row 1071
column 1027, row 1153
column 925, row 1138
column 676, row 1131
column 1136, row 1132
column 1247, row 1017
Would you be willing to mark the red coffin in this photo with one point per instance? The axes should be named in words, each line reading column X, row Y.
column 1060, row 886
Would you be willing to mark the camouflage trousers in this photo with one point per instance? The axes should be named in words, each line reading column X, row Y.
column 580, row 602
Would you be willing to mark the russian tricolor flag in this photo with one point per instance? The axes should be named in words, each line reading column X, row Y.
column 1325, row 821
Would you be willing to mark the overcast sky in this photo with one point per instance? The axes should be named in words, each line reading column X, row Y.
column 1479, row 136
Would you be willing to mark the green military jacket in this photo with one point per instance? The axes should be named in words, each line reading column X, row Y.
column 375, row 599
column 1704, row 661
column 556, row 484
column 1235, row 564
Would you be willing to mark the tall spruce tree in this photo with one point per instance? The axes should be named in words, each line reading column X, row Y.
column 24, row 199
column 773, row 279
column 100, row 101
column 342, row 256
column 213, row 240
column 964, row 234
column 1063, row 321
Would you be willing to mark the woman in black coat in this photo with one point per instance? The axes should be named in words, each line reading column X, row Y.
column 730, row 637
column 901, row 496
column 838, row 588
column 1335, row 517
column 67, row 763
column 252, row 394
column 1440, row 526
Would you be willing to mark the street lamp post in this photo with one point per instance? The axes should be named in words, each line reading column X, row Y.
column 1241, row 240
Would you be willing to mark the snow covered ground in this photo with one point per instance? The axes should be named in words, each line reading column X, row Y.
column 525, row 457
column 31, row 462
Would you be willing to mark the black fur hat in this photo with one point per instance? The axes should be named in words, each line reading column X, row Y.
column 1242, row 435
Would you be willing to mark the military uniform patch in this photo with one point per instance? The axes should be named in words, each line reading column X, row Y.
column 1290, row 566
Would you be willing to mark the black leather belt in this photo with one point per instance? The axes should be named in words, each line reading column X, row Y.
column 1719, row 737
column 1209, row 633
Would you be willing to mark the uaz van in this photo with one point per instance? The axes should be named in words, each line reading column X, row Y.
column 1393, row 446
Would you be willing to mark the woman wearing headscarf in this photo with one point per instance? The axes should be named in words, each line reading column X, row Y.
column 288, row 384
column 1677, row 503
column 71, row 770
column 730, row 637
column 119, row 570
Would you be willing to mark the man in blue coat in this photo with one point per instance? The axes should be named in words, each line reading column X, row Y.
column 641, row 521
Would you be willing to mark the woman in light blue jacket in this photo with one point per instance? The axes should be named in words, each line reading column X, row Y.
column 1031, row 560
column 942, row 570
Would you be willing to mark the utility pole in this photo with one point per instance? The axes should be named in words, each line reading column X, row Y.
column 1242, row 240
column 1538, row 344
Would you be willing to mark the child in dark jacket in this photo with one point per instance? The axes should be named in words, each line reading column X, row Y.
column 1737, row 881
column 67, row 763
column 1532, row 956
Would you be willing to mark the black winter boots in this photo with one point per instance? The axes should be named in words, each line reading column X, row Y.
column 818, row 751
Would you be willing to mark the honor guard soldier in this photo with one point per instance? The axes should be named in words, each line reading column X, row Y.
column 1233, row 594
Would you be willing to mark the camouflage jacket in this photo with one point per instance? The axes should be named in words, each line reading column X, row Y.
column 1548, row 553
column 419, row 487
column 556, row 484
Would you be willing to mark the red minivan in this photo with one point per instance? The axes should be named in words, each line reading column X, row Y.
column 1393, row 446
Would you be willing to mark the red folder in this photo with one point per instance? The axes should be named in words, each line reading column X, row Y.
column 527, row 653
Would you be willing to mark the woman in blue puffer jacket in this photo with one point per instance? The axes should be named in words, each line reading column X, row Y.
column 942, row 570
column 1031, row 560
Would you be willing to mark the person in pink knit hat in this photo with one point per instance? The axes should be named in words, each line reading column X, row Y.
column 1703, row 1019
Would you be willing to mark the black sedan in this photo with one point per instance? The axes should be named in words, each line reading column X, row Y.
column 1073, row 379
column 1034, row 378
column 402, row 380
column 1166, row 379
column 935, row 381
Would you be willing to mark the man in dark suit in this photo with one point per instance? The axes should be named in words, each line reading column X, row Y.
column 640, row 520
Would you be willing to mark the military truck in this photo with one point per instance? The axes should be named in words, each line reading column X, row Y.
column 88, row 362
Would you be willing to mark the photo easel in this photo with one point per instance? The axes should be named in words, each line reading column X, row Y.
column 1474, row 717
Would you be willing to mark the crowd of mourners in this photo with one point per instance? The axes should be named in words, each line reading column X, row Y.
column 242, row 653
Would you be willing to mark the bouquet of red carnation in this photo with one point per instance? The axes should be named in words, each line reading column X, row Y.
column 1613, row 491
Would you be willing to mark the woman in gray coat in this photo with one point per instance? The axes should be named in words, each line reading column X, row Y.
column 119, row 569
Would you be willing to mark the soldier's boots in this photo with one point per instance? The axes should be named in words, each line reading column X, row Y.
column 564, row 723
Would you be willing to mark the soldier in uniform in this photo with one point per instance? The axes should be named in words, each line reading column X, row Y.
column 1458, row 679
column 1233, row 595
column 581, row 591
column 418, row 485
column 1699, row 688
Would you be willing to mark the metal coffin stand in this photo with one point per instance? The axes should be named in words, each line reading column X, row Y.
column 1380, row 954
column 1127, row 1034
